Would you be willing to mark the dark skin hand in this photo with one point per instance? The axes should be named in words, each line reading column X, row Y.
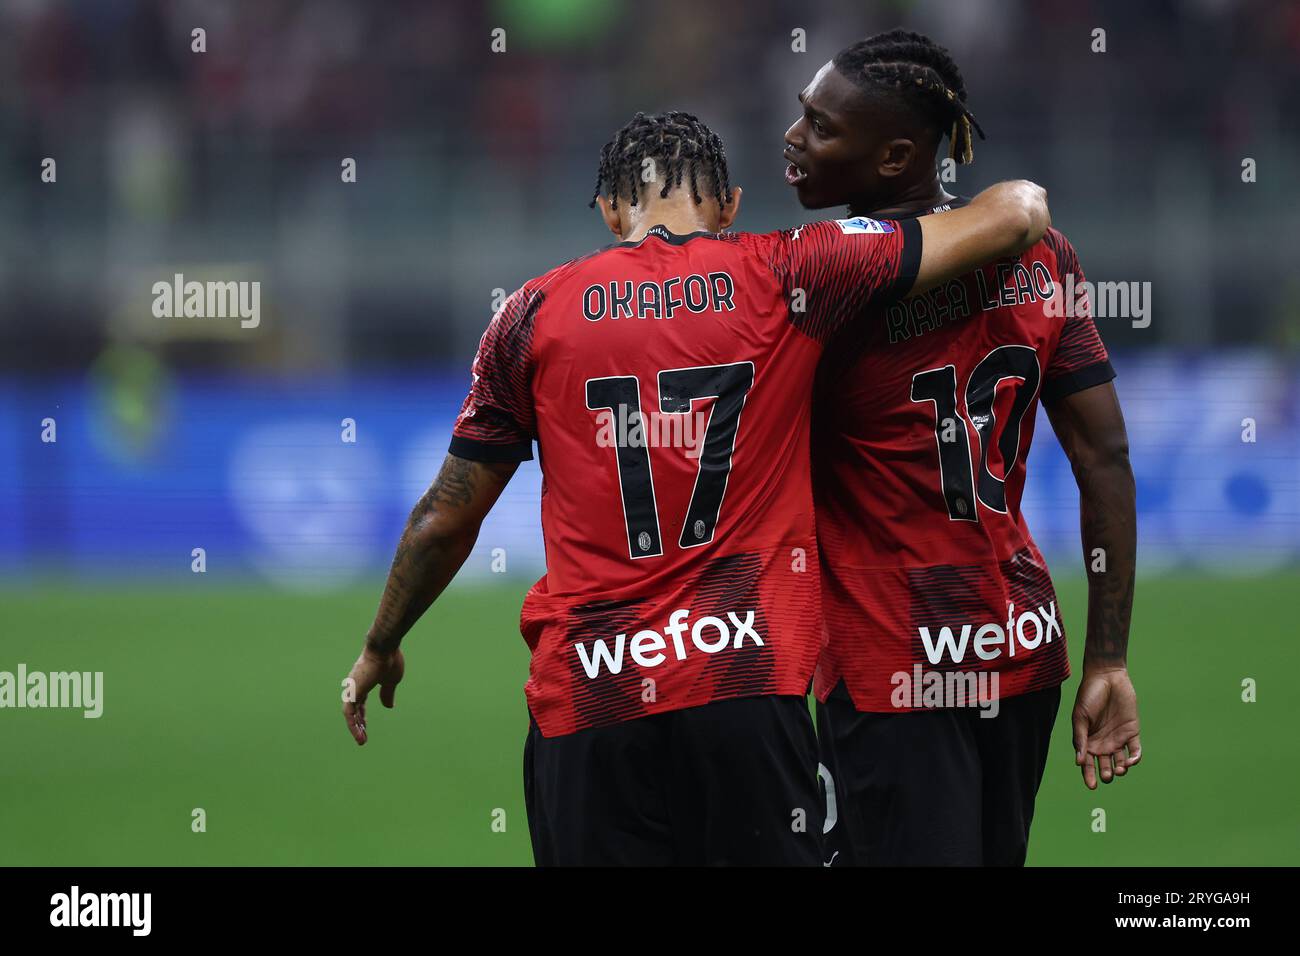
column 439, row 535
column 1090, row 427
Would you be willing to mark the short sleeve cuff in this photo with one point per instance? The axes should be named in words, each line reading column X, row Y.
column 910, row 267
column 1063, row 385
column 471, row 449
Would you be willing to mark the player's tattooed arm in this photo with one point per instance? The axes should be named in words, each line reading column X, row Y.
column 1090, row 427
column 1105, row 722
column 439, row 535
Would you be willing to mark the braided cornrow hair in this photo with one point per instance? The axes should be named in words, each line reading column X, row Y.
column 680, row 146
column 924, row 75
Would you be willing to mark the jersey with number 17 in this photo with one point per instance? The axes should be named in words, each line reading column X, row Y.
column 667, row 383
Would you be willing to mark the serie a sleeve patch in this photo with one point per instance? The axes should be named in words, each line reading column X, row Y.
column 860, row 224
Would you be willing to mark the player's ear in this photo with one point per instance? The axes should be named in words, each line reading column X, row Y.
column 896, row 156
column 727, row 214
column 613, row 221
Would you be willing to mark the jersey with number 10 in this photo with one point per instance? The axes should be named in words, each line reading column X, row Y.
column 923, row 422
column 667, row 383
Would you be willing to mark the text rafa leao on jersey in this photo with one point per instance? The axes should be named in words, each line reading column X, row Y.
column 1015, row 283
column 660, row 299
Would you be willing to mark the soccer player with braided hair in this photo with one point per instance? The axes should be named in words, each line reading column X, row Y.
column 666, row 380
column 687, row 149
column 940, row 682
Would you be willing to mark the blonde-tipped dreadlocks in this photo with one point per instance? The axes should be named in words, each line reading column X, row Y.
column 924, row 74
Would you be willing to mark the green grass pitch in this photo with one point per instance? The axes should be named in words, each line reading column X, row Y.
column 227, row 699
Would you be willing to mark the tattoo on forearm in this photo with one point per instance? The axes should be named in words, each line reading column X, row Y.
column 1108, row 522
column 454, row 485
column 424, row 563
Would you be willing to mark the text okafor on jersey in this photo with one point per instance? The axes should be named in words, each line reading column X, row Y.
column 922, row 423
column 668, row 385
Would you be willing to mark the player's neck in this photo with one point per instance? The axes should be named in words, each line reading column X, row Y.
column 914, row 199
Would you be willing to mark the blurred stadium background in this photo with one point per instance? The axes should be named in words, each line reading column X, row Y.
column 474, row 170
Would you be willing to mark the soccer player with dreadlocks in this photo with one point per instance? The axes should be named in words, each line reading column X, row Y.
column 676, row 630
column 941, row 678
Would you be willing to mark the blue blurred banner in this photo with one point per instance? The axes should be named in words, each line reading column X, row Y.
column 145, row 468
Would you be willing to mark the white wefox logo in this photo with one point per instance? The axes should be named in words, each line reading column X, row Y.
column 988, row 641
column 710, row 634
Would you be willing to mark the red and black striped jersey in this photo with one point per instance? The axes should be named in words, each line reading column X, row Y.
column 668, row 385
column 923, row 419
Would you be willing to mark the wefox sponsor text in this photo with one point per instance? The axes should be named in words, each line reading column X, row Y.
column 647, row 647
column 989, row 641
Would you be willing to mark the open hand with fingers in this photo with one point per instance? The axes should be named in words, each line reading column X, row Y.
column 1105, row 724
column 371, row 669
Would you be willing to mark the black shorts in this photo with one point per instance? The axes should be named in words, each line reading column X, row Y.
column 933, row 787
column 728, row 783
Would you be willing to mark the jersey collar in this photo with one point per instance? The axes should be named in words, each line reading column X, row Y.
column 956, row 202
column 662, row 232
